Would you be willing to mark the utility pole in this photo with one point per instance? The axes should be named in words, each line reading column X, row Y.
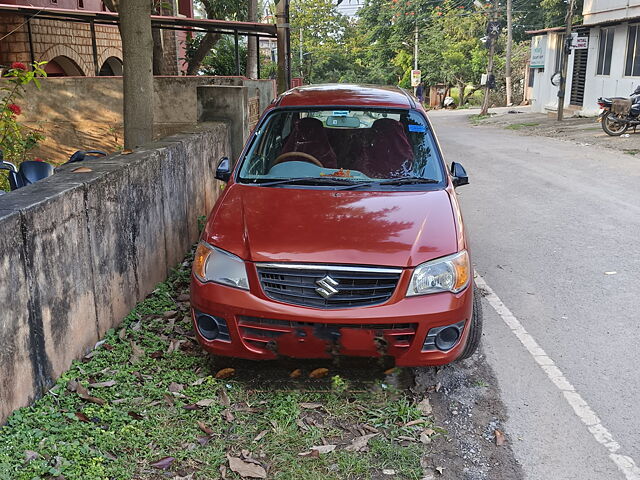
column 284, row 45
column 301, row 54
column 492, row 51
column 565, row 59
column 507, row 67
column 415, row 48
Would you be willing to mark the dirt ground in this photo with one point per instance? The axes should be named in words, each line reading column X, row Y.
column 585, row 131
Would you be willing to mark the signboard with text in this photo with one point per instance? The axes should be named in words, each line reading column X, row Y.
column 538, row 51
column 416, row 76
column 579, row 43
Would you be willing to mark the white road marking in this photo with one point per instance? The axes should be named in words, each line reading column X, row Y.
column 580, row 407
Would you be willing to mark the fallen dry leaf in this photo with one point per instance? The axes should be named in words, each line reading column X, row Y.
column 390, row 371
column 199, row 381
column 439, row 470
column 30, row 455
column 109, row 383
column 224, row 398
column 225, row 373
column 191, row 406
column 388, row 471
column 135, row 415
column 157, row 354
column 500, row 438
column 425, row 407
column 126, row 151
column 175, row 387
column 81, row 170
column 122, row 333
column 204, row 440
column 319, row 373
column 136, row 353
column 261, row 435
column 183, row 297
column 246, row 469
column 169, row 399
column 170, row 313
column 204, row 428
column 72, row 385
column 228, row 416
column 415, row 422
column 82, row 417
column 324, row 448
column 206, row 402
column 83, row 393
column 311, row 405
column 359, row 444
column 296, row 373
column 163, row 463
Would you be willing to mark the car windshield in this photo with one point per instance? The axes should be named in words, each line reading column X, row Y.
column 380, row 147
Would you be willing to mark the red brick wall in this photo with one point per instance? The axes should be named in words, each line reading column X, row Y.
column 52, row 38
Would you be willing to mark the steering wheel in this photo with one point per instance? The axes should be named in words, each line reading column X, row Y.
column 309, row 158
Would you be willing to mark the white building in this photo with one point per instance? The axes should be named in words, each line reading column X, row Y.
column 608, row 66
column 350, row 7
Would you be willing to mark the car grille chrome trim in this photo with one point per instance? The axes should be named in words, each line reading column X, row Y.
column 328, row 286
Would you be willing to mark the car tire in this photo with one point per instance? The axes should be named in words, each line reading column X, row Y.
column 475, row 327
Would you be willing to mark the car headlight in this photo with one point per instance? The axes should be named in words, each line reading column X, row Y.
column 211, row 264
column 448, row 274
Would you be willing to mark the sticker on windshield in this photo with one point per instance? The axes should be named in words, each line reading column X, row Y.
column 417, row 128
column 341, row 113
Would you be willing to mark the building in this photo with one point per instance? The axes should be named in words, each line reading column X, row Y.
column 350, row 7
column 606, row 61
column 68, row 47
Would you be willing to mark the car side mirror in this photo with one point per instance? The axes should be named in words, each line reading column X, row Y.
column 459, row 175
column 223, row 171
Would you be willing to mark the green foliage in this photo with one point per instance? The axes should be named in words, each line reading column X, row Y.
column 140, row 417
column 16, row 140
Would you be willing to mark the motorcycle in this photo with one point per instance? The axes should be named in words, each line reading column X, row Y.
column 31, row 171
column 615, row 123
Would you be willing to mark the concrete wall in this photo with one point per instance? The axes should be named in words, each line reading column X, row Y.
column 616, row 84
column 596, row 11
column 79, row 250
column 86, row 113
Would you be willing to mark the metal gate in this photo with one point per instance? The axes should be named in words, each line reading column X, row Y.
column 579, row 76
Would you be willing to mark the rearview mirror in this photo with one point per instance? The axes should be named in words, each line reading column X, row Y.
column 223, row 171
column 459, row 175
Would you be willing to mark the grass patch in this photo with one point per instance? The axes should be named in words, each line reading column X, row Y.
column 631, row 151
column 520, row 126
column 477, row 119
column 121, row 409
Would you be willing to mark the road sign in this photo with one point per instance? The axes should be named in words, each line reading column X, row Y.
column 416, row 76
column 579, row 43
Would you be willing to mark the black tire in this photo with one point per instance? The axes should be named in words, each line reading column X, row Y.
column 475, row 326
column 609, row 125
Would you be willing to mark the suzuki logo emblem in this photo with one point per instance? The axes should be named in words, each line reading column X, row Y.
column 326, row 287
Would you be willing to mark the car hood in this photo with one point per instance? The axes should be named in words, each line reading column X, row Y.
column 361, row 227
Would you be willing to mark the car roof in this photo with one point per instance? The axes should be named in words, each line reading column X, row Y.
column 340, row 94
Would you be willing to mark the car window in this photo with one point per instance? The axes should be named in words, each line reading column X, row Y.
column 352, row 144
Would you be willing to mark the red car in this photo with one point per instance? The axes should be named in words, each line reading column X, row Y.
column 338, row 233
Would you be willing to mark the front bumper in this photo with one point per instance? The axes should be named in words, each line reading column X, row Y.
column 259, row 328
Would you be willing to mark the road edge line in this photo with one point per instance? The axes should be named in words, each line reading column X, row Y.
column 580, row 407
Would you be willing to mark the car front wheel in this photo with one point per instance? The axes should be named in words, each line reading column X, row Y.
column 475, row 327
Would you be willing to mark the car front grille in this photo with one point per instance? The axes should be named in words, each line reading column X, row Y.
column 327, row 286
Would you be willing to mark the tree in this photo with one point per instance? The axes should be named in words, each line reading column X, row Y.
column 201, row 45
column 137, row 78
column 252, row 42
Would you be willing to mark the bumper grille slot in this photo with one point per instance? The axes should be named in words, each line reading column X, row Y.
column 356, row 286
column 260, row 331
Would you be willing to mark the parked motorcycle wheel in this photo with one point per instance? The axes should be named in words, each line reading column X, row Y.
column 612, row 126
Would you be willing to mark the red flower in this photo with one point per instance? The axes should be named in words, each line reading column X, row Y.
column 18, row 66
column 14, row 108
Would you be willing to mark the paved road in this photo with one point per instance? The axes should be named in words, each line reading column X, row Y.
column 547, row 218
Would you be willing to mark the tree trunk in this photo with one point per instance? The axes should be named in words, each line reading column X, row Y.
column 252, row 42
column 206, row 44
column 461, row 89
column 137, row 55
column 158, row 52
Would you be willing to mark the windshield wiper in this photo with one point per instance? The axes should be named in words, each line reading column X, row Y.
column 408, row 181
column 307, row 181
column 394, row 181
